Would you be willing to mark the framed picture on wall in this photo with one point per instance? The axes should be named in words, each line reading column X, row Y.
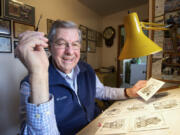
column 20, row 28
column 5, row 45
column 19, row 11
column 91, row 46
column 90, row 34
column 5, row 27
column 99, row 39
column 83, row 45
column 49, row 24
column 83, row 31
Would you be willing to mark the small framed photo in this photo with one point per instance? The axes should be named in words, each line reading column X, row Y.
column 90, row 34
column 83, row 57
column 19, row 11
column 5, row 45
column 93, row 35
column 83, row 30
column 83, row 45
column 99, row 39
column 91, row 46
column 5, row 27
column 20, row 28
column 49, row 24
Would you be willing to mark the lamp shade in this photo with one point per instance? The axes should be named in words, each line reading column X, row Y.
column 137, row 44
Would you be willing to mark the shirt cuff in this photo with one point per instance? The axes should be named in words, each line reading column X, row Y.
column 40, row 116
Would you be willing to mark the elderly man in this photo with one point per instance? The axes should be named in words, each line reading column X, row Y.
column 57, row 96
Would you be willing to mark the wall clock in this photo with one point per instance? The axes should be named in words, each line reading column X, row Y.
column 108, row 35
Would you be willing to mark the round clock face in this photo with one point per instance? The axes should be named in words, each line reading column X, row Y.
column 109, row 33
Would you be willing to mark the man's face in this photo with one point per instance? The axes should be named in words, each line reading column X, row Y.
column 65, row 50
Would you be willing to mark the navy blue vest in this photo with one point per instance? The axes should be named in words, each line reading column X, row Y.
column 70, row 116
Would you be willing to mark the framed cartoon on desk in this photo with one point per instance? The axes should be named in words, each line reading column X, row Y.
column 20, row 28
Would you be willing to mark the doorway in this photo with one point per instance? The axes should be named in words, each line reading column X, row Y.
column 129, row 71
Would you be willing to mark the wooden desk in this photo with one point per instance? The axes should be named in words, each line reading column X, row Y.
column 170, row 114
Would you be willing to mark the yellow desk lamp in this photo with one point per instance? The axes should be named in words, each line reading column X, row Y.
column 137, row 44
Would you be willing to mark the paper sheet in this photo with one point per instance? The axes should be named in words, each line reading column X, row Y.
column 150, row 89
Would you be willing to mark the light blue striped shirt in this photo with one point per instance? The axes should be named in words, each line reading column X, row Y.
column 40, row 119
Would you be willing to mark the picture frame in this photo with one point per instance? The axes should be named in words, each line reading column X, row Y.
column 5, row 27
column 19, row 28
column 91, row 46
column 84, row 45
column 93, row 36
column 99, row 39
column 90, row 34
column 19, row 11
column 49, row 24
column 83, row 30
column 5, row 45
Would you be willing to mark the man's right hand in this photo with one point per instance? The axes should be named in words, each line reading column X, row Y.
column 31, row 53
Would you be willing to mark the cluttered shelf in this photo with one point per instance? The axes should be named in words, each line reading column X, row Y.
column 171, row 64
column 172, row 53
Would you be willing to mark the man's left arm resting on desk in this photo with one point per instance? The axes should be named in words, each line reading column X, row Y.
column 109, row 93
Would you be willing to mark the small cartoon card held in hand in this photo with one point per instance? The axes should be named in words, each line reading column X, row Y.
column 150, row 89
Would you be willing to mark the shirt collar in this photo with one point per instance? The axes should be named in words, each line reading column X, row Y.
column 75, row 71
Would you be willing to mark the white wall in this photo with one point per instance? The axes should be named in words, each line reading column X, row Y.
column 109, row 56
column 12, row 71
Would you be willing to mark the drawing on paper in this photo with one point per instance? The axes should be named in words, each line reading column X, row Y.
column 149, row 121
column 112, row 112
column 153, row 85
column 113, row 126
column 117, row 124
column 135, row 107
column 165, row 104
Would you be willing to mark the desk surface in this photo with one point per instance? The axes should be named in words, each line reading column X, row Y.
column 167, row 106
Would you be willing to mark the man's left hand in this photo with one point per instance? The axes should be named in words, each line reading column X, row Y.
column 132, row 92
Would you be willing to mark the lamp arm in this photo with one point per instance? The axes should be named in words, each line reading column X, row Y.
column 153, row 26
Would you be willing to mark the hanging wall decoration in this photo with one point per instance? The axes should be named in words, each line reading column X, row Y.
column 20, row 12
column 109, row 35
